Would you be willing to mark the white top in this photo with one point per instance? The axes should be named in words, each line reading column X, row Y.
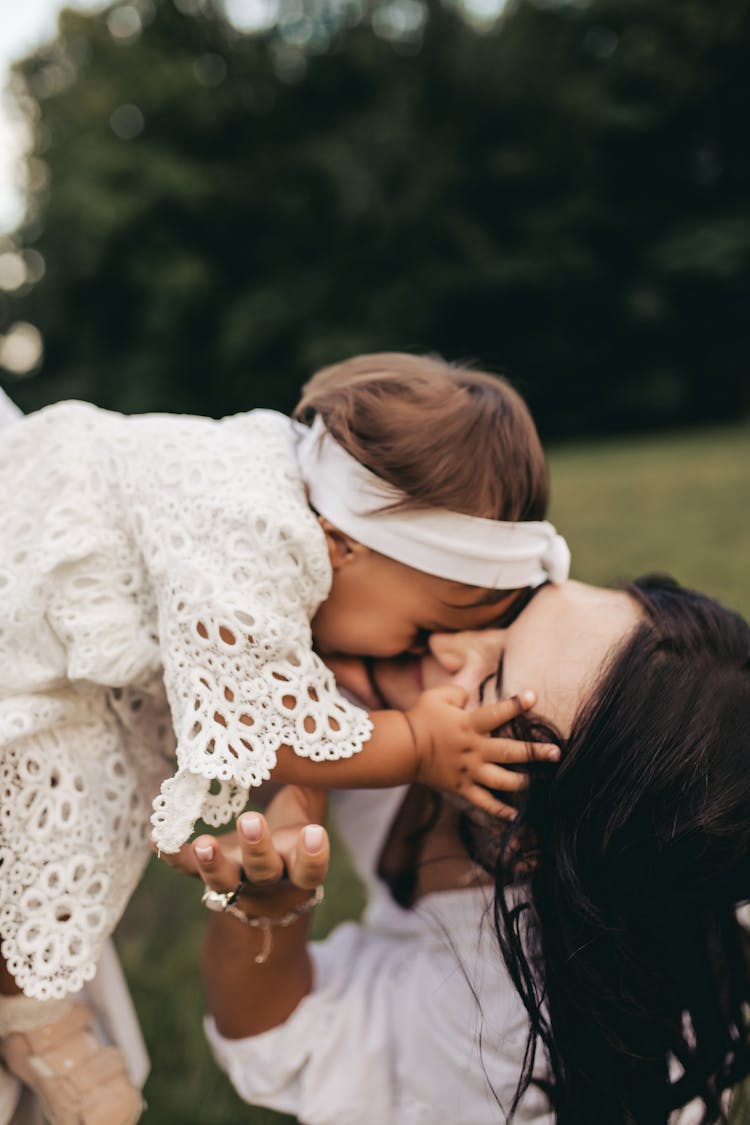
column 391, row 1031
column 144, row 560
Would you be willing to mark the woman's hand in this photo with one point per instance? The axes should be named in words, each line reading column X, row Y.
column 281, row 858
column 284, row 855
column 283, row 850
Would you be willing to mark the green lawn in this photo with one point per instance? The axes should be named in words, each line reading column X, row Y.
column 677, row 504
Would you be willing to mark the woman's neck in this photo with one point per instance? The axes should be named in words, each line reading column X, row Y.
column 423, row 853
column 444, row 864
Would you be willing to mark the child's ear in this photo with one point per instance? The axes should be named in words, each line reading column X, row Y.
column 342, row 549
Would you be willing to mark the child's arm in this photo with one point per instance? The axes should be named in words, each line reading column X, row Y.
column 436, row 743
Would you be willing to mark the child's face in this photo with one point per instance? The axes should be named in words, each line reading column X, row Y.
column 557, row 646
column 379, row 607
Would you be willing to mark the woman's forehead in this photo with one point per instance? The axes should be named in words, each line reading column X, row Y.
column 574, row 609
column 562, row 642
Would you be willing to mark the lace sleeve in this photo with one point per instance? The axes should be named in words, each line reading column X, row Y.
column 236, row 566
column 242, row 682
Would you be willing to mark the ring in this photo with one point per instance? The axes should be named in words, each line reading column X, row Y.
column 220, row 901
column 217, row 901
column 223, row 901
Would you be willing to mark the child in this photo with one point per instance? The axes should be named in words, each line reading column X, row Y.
column 171, row 558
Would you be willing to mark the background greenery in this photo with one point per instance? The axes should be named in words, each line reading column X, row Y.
column 674, row 505
column 563, row 193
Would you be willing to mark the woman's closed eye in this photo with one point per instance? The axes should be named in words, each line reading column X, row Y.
column 488, row 679
column 483, row 688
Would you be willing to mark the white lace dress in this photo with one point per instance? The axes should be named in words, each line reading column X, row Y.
column 158, row 576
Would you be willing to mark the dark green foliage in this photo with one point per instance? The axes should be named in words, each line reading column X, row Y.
column 564, row 196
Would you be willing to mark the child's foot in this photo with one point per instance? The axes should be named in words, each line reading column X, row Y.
column 78, row 1080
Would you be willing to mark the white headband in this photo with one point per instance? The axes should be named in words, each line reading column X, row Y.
column 467, row 549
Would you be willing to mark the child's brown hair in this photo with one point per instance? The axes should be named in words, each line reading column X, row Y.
column 445, row 435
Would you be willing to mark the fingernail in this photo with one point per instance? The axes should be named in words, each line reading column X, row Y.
column 527, row 697
column 312, row 838
column 251, row 828
column 204, row 851
column 554, row 754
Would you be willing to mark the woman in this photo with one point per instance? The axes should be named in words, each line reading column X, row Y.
column 614, row 896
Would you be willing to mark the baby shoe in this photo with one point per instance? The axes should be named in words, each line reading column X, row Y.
column 77, row 1080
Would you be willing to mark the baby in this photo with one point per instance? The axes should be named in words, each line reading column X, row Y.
column 164, row 580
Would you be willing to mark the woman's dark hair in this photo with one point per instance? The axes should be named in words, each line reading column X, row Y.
column 627, row 953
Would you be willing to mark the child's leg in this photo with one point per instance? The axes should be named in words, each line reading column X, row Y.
column 22, row 1013
column 50, row 1045
column 65, row 883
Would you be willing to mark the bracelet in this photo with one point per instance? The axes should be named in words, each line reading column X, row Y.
column 225, row 903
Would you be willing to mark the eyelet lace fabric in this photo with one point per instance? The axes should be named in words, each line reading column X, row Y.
column 158, row 576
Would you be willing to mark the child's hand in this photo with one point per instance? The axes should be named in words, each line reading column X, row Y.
column 455, row 752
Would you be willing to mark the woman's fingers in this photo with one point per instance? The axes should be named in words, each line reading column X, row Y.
column 184, row 860
column 261, row 861
column 263, row 865
column 298, row 855
column 295, row 805
column 217, row 870
column 308, row 864
column 495, row 777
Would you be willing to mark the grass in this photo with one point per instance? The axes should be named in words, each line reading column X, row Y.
column 676, row 504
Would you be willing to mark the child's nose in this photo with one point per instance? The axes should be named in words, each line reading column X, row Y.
column 447, row 651
column 457, row 654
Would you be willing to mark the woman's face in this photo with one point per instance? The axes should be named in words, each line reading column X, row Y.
column 558, row 646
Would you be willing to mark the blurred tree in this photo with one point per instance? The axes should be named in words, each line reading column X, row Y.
column 562, row 194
